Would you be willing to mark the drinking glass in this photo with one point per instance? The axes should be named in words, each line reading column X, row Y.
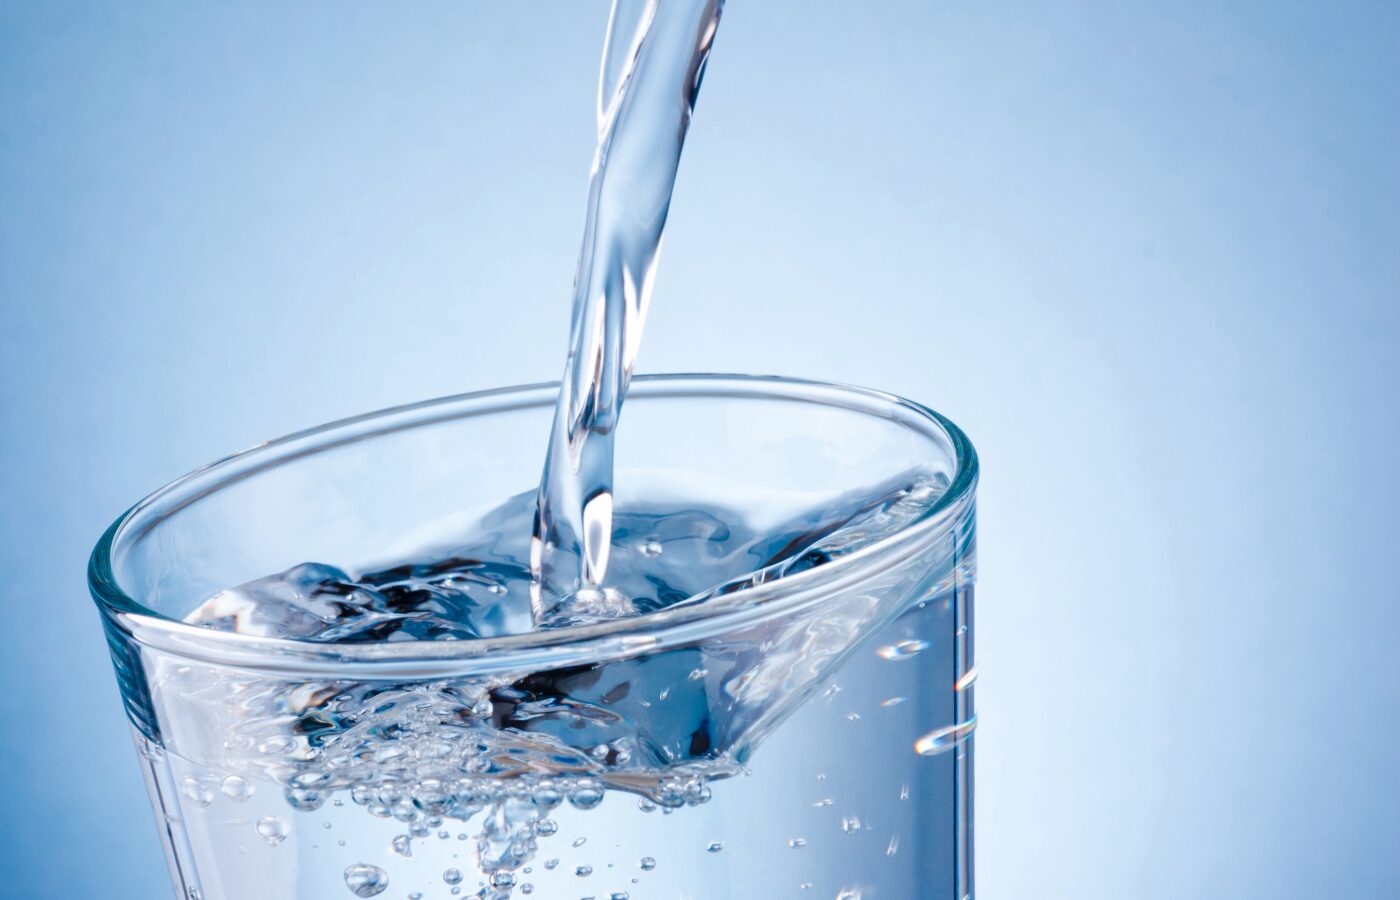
column 820, row 722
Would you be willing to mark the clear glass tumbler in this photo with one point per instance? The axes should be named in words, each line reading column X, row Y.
column 836, row 702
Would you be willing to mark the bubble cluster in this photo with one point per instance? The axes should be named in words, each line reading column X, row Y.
column 505, row 751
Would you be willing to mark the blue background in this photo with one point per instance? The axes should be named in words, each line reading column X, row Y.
column 1147, row 254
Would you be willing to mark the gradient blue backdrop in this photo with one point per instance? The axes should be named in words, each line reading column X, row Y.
column 1147, row 254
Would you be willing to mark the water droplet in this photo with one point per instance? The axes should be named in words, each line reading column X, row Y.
column 452, row 876
column 402, row 844
column 583, row 871
column 365, row 880
column 902, row 650
column 272, row 829
column 235, row 788
column 797, row 842
column 647, row 863
column 714, row 847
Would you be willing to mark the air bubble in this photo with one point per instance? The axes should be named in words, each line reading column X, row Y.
column 402, row 845
column 276, row 746
column 548, row 796
column 365, row 880
column 583, row 871
column 586, row 794
column 797, row 842
column 714, row 847
column 902, row 650
column 647, row 863
column 946, row 738
column 235, row 788
column 272, row 829
column 197, row 792
column 452, row 876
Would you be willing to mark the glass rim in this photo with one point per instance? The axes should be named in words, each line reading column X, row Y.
column 562, row 646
